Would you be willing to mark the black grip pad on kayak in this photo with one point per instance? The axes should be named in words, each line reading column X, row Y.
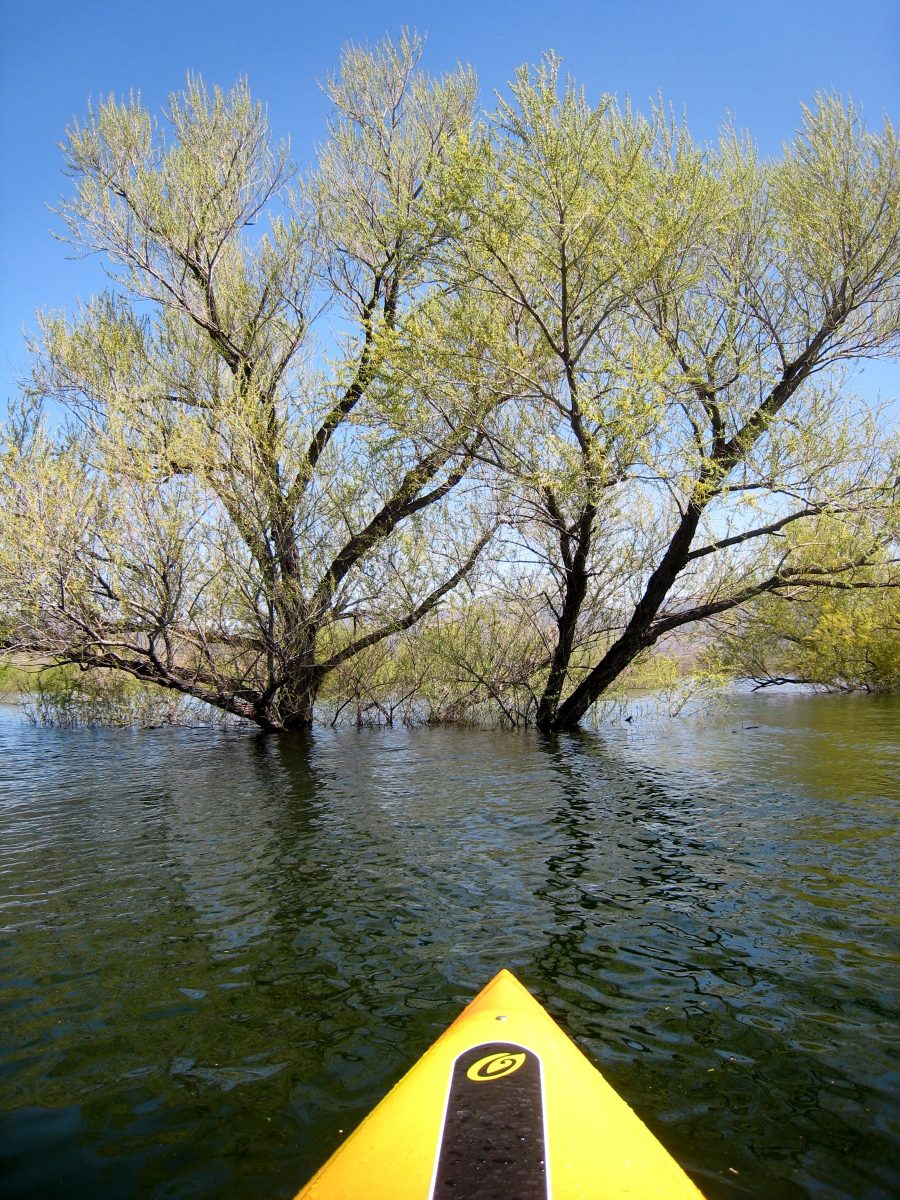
column 493, row 1141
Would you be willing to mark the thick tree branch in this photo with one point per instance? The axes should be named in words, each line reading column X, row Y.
column 403, row 503
column 760, row 531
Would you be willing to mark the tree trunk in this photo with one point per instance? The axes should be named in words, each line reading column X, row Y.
column 637, row 636
column 576, row 590
column 291, row 707
column 574, row 548
column 620, row 656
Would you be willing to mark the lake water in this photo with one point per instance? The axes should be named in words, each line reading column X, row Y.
column 218, row 950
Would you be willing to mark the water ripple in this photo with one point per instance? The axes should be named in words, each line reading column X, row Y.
column 219, row 950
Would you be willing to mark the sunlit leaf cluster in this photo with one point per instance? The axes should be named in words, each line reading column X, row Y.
column 472, row 413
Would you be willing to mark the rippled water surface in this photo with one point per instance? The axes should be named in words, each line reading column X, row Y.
column 219, row 950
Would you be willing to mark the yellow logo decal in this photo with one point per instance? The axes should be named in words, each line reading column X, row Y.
column 494, row 1066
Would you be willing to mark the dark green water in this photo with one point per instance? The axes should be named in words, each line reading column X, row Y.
column 218, row 951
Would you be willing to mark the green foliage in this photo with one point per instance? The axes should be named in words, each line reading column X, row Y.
column 223, row 493
column 829, row 638
column 15, row 681
column 67, row 698
column 842, row 635
column 478, row 663
column 472, row 664
column 564, row 354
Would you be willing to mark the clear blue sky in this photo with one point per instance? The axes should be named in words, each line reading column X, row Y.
column 756, row 59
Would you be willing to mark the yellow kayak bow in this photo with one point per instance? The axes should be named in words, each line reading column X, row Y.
column 502, row 1107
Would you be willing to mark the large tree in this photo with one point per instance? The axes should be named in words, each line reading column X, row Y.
column 631, row 349
column 677, row 318
column 239, row 484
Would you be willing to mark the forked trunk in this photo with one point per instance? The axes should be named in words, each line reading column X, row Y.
column 292, row 707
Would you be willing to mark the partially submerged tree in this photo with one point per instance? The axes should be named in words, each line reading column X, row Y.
column 227, row 490
column 626, row 346
column 677, row 318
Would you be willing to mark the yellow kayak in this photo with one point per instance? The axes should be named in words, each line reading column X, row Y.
column 502, row 1107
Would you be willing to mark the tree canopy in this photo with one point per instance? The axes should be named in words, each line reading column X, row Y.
column 561, row 353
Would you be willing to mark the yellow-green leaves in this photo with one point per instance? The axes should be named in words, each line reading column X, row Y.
column 837, row 193
column 391, row 128
column 305, row 407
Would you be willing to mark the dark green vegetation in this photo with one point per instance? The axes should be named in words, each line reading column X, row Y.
column 219, row 950
column 549, row 387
